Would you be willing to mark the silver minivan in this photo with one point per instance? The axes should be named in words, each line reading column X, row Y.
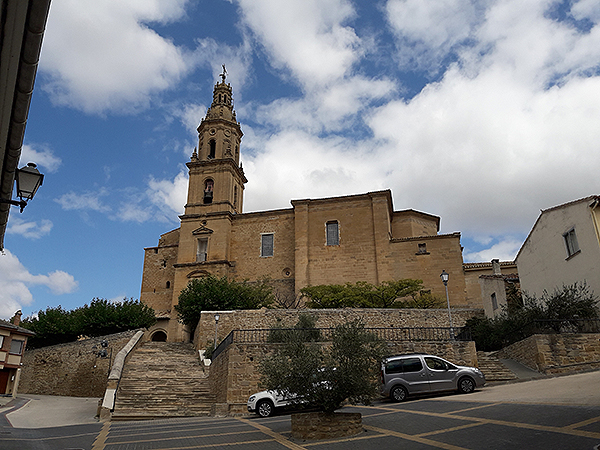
column 405, row 375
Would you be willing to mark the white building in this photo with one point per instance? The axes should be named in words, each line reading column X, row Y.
column 562, row 248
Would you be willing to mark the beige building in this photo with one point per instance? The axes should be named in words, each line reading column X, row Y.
column 317, row 241
column 13, row 340
column 563, row 247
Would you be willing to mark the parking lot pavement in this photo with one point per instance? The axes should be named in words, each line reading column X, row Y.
column 451, row 423
column 560, row 413
column 579, row 389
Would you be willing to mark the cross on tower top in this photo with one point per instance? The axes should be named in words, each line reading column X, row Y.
column 224, row 74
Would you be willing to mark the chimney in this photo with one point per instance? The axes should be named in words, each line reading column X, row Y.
column 496, row 267
column 17, row 318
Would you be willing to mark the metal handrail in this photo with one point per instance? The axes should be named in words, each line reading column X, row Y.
column 274, row 335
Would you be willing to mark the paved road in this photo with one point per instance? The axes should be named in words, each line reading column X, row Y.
column 558, row 413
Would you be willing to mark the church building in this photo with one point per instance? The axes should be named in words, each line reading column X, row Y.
column 331, row 240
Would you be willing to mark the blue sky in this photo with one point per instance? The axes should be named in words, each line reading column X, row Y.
column 482, row 112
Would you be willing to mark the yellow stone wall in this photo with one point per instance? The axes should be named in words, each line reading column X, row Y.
column 367, row 251
column 245, row 244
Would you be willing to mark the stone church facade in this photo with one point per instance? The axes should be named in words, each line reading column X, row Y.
column 317, row 241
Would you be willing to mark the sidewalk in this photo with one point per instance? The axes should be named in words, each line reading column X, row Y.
column 41, row 411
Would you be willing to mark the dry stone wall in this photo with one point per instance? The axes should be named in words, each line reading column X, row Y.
column 326, row 318
column 72, row 369
column 234, row 375
column 556, row 353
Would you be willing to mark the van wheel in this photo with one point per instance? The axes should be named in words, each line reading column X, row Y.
column 265, row 408
column 466, row 385
column 398, row 394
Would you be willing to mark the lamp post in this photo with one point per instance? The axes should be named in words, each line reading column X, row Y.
column 444, row 276
column 216, row 329
column 28, row 179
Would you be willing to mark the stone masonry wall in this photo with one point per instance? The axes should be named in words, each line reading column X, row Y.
column 235, row 376
column 72, row 369
column 556, row 353
column 371, row 317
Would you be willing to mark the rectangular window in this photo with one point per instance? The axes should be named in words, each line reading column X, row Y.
column 333, row 233
column 202, row 250
column 266, row 245
column 494, row 302
column 571, row 242
column 422, row 249
column 16, row 347
column 1, row 341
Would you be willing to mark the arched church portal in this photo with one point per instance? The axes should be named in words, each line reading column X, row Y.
column 159, row 336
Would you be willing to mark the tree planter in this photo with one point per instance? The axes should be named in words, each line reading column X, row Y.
column 318, row 425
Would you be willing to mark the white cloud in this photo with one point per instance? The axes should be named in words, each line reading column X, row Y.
column 495, row 135
column 162, row 201
column 86, row 201
column 295, row 164
column 237, row 60
column 169, row 196
column 308, row 38
column 100, row 55
column 29, row 230
column 15, row 281
column 586, row 9
column 191, row 115
column 508, row 129
column 42, row 156
column 505, row 250
column 428, row 31
column 333, row 108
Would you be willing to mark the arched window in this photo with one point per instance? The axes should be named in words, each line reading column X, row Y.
column 208, row 191
column 212, row 150
column 235, row 196
column 168, row 285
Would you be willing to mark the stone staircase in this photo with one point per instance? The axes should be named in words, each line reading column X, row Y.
column 493, row 369
column 163, row 379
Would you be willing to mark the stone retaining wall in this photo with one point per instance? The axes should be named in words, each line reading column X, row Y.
column 371, row 317
column 72, row 369
column 556, row 353
column 234, row 374
column 318, row 425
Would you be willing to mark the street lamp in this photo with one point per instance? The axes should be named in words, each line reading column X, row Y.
column 444, row 276
column 216, row 328
column 28, row 179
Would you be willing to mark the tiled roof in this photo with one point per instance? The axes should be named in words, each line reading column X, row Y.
column 9, row 326
column 486, row 265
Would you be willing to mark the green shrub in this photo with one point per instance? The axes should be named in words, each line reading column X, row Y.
column 220, row 294
column 565, row 306
column 100, row 317
column 407, row 293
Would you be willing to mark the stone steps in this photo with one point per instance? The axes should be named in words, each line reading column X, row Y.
column 162, row 380
column 493, row 369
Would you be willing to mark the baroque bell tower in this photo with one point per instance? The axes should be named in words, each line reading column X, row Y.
column 216, row 179
column 215, row 197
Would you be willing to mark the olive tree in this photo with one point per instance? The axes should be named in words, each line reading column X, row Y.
column 325, row 375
